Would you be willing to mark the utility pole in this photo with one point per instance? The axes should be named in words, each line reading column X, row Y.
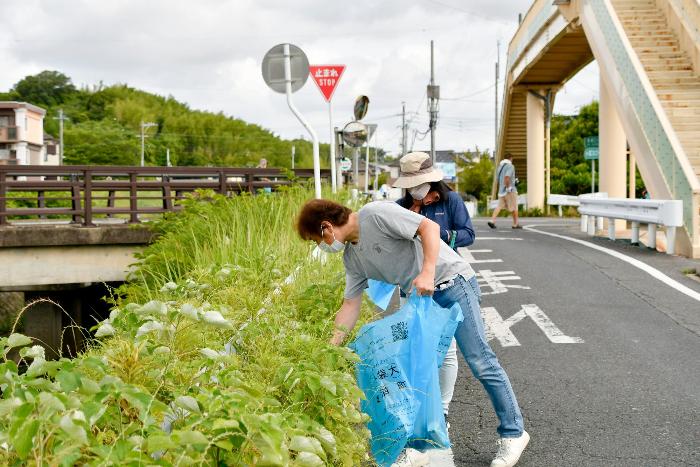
column 294, row 150
column 340, row 153
column 403, row 129
column 144, row 125
column 61, row 117
column 498, row 61
column 167, row 157
column 433, row 99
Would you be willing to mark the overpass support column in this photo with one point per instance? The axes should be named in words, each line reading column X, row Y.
column 535, row 151
column 613, row 149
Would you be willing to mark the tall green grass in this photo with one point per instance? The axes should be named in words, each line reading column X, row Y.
column 211, row 355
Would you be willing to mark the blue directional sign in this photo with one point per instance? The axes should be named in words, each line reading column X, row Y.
column 449, row 169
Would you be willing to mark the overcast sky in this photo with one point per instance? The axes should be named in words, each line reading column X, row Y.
column 208, row 54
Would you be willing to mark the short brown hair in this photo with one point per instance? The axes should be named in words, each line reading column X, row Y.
column 316, row 211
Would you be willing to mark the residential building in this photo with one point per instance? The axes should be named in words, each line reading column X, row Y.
column 22, row 135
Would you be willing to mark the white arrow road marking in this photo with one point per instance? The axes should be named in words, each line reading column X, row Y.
column 497, row 327
column 494, row 280
column 548, row 327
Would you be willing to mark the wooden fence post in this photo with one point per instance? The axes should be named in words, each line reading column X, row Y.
column 3, row 201
column 165, row 189
column 75, row 198
column 133, row 201
column 87, row 179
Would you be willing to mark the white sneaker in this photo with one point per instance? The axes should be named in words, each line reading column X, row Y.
column 509, row 450
column 411, row 458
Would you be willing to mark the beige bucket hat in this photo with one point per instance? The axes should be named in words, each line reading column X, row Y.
column 416, row 168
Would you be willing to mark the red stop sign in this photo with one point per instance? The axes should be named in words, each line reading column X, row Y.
column 326, row 78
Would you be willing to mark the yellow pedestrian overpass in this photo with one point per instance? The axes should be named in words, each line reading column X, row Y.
column 648, row 53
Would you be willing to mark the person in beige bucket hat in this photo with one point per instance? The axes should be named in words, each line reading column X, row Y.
column 416, row 169
column 429, row 196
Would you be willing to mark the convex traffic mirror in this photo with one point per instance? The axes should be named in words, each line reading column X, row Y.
column 355, row 134
column 361, row 105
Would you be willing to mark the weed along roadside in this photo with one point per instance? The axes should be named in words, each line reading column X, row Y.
column 209, row 356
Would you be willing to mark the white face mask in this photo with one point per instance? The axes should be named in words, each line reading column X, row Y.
column 335, row 247
column 419, row 192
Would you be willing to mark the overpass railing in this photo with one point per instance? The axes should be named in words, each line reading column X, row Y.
column 605, row 29
column 84, row 193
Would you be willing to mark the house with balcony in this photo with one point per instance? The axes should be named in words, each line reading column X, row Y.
column 22, row 135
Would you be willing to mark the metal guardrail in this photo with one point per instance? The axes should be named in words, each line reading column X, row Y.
column 83, row 193
column 668, row 213
column 562, row 200
column 571, row 200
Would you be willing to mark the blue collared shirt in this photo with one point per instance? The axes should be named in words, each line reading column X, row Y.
column 449, row 214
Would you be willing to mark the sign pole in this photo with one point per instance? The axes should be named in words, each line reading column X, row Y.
column 314, row 138
column 367, row 166
column 592, row 175
column 341, row 155
column 334, row 179
column 355, row 166
column 376, row 162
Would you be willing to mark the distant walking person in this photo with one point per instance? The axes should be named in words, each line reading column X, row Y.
column 262, row 164
column 507, row 193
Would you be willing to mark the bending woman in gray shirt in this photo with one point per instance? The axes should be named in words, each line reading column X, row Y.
column 386, row 242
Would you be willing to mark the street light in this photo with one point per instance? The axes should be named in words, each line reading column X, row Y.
column 144, row 125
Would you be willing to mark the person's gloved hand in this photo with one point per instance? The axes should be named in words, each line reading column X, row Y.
column 510, row 189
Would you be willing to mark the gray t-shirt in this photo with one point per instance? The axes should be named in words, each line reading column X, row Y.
column 505, row 169
column 390, row 251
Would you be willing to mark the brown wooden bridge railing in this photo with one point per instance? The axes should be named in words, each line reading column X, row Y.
column 83, row 192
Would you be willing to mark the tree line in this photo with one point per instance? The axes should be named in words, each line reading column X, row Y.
column 105, row 128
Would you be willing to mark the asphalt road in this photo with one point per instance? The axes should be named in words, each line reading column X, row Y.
column 610, row 377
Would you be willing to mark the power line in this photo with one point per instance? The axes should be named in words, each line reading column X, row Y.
column 491, row 86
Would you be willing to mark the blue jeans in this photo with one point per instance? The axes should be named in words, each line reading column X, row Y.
column 483, row 362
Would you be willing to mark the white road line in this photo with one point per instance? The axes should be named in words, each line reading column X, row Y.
column 498, row 238
column 499, row 328
column 494, row 280
column 548, row 327
column 466, row 253
column 652, row 271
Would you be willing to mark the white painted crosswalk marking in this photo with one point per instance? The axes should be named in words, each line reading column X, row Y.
column 498, row 328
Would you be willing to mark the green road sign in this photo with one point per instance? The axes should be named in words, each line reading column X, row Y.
column 591, row 154
column 590, row 145
column 590, row 142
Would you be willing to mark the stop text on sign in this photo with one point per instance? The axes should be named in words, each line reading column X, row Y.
column 326, row 78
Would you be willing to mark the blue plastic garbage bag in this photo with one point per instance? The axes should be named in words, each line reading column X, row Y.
column 398, row 373
column 380, row 292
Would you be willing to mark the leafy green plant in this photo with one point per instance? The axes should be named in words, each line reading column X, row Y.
column 215, row 353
